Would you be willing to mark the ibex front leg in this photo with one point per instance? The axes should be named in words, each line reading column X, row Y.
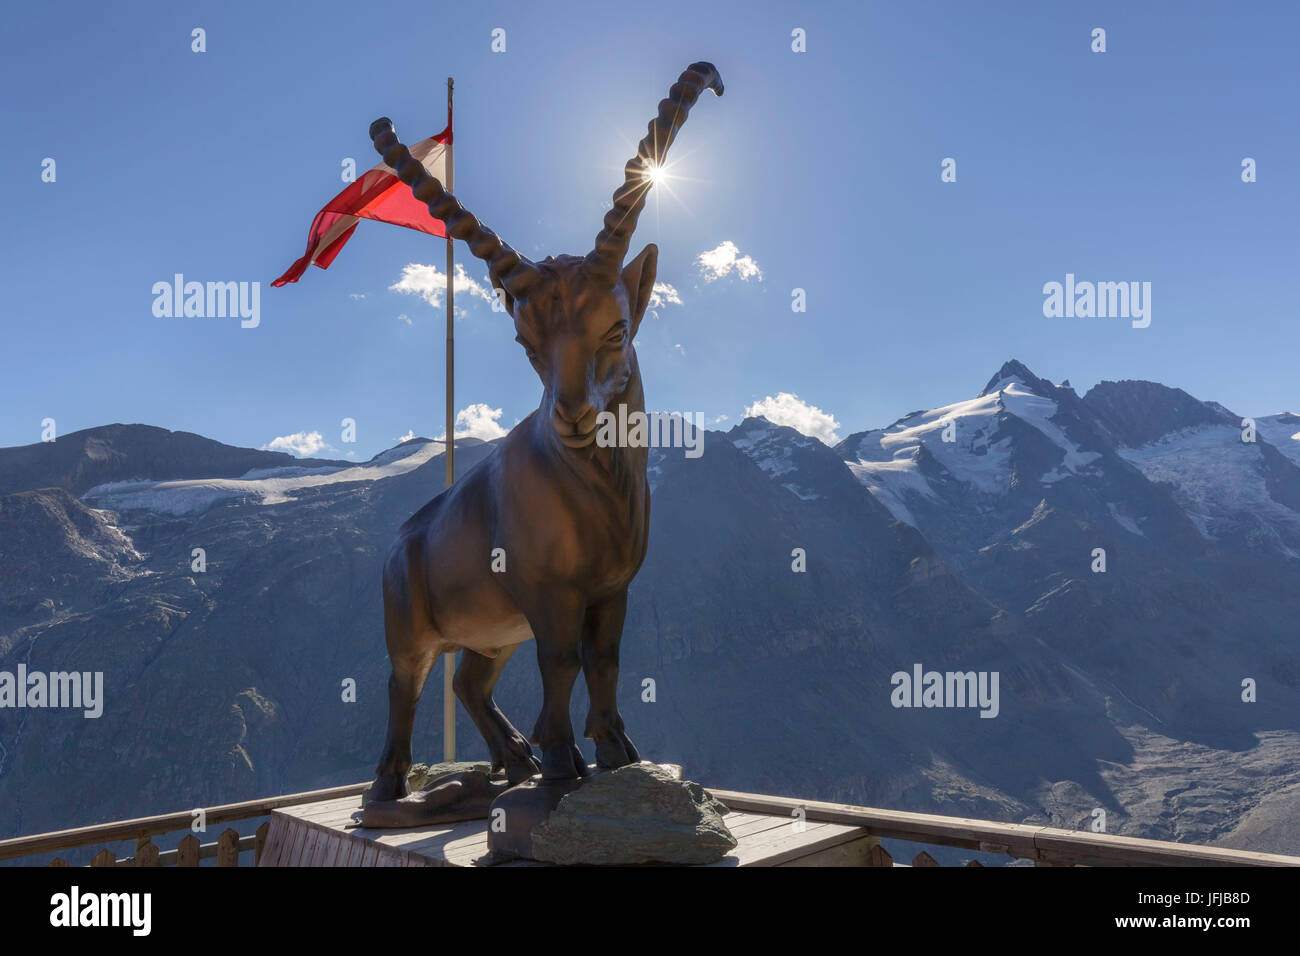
column 557, row 626
column 600, row 641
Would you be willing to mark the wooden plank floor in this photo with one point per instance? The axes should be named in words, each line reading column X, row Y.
column 318, row 834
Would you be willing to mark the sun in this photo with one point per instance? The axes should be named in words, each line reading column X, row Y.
column 665, row 175
column 655, row 175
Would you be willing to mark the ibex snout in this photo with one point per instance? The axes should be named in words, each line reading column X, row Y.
column 574, row 420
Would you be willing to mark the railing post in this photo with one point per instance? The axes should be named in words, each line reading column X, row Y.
column 228, row 848
column 879, row 856
column 146, row 853
column 187, row 852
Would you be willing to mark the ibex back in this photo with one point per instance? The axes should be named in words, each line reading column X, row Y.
column 570, row 517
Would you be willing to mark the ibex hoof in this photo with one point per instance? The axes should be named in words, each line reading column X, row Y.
column 517, row 771
column 387, row 786
column 616, row 751
column 563, row 762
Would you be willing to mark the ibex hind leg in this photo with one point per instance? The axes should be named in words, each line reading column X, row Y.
column 412, row 660
column 476, row 677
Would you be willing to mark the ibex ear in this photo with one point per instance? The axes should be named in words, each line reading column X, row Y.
column 639, row 281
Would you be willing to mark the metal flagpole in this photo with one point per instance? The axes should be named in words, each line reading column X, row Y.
column 449, row 657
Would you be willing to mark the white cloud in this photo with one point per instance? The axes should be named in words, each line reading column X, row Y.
column 430, row 284
column 725, row 259
column 787, row 409
column 410, row 433
column 663, row 294
column 302, row 444
column 404, row 318
column 477, row 421
column 357, row 296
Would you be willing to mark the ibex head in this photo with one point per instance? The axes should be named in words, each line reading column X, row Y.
column 575, row 316
column 577, row 331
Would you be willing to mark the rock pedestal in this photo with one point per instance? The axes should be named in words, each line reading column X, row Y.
column 443, row 793
column 639, row 814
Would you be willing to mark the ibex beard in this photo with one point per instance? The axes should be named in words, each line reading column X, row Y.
column 570, row 516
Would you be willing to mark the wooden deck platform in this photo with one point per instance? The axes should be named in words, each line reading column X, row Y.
column 317, row 834
column 834, row 836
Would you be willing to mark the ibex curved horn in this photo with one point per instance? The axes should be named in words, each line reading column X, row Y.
column 606, row 258
column 506, row 267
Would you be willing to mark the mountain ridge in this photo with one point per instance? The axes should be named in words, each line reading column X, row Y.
column 82, row 459
column 786, row 581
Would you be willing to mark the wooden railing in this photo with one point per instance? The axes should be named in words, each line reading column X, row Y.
column 227, row 848
column 1045, row 846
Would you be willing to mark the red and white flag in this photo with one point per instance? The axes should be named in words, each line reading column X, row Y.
column 378, row 195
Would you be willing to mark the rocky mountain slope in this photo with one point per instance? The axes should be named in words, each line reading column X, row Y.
column 963, row 538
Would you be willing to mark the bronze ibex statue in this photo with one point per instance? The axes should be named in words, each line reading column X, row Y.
column 571, row 517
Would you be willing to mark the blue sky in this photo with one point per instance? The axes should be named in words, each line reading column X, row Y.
column 822, row 167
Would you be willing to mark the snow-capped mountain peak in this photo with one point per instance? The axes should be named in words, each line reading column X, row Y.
column 971, row 444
